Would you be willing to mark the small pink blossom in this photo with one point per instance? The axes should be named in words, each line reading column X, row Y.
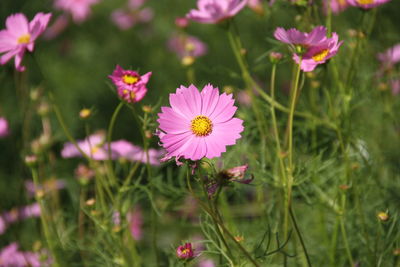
column 390, row 57
column 187, row 46
column 315, row 47
column 366, row 4
column 337, row 6
column 20, row 35
column 4, row 131
column 130, row 85
column 135, row 220
column 92, row 146
column 79, row 9
column 198, row 124
column 122, row 149
column 185, row 252
column 132, row 14
column 215, row 11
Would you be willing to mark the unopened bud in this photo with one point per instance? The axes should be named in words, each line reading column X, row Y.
column 85, row 113
column 187, row 60
column 275, row 57
column 383, row 216
column 31, row 160
column 148, row 134
column 147, row 109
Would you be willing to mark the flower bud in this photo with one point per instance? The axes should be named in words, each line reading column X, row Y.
column 383, row 216
column 85, row 113
column 275, row 57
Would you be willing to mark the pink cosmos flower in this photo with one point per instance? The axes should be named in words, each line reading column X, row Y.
column 317, row 48
column 12, row 256
column 337, row 6
column 215, row 11
column 135, row 220
column 3, row 127
column 20, row 35
column 366, row 4
column 128, row 16
column 130, row 85
column 187, row 46
column 185, row 252
column 124, row 149
column 79, row 9
column 198, row 124
column 390, row 56
column 91, row 146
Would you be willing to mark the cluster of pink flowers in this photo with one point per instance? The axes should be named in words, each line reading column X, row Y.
column 18, row 214
column 79, row 9
column 215, row 11
column 12, row 256
column 198, row 124
column 131, row 86
column 94, row 146
column 315, row 47
column 388, row 59
column 20, row 35
column 132, row 14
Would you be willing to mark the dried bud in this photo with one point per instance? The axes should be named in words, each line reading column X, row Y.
column 147, row 109
column 31, row 160
column 148, row 134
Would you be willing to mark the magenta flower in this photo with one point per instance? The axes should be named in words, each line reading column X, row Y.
column 185, row 252
column 3, row 127
column 215, row 11
column 337, row 6
column 130, row 85
column 92, row 146
column 315, row 46
column 20, row 35
column 366, row 4
column 122, row 149
column 128, row 16
column 390, row 56
column 79, row 9
column 135, row 220
column 198, row 124
column 187, row 46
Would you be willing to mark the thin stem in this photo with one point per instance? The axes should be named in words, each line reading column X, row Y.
column 303, row 245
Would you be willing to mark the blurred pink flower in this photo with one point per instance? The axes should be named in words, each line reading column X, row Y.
column 47, row 186
column 198, row 124
column 187, row 46
column 92, row 146
column 390, row 57
column 206, row 263
column 366, row 4
column 132, row 14
column 135, row 220
column 18, row 214
column 395, row 84
column 4, row 131
column 181, row 22
column 126, row 150
column 315, row 46
column 185, row 252
column 130, row 85
column 10, row 256
column 3, row 225
column 79, row 9
column 20, row 35
column 56, row 28
column 214, row 11
column 337, row 6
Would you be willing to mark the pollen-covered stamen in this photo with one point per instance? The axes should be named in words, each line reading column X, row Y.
column 24, row 39
column 365, row 2
column 320, row 56
column 129, row 79
column 201, row 125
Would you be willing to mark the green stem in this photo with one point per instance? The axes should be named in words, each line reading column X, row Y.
column 303, row 245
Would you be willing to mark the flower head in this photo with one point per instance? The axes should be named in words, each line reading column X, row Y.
column 20, row 35
column 366, row 4
column 135, row 220
column 132, row 14
column 390, row 57
column 214, row 11
column 3, row 127
column 336, row 6
column 122, row 149
column 130, row 85
column 187, row 46
column 91, row 146
column 79, row 9
column 185, row 252
column 315, row 47
column 198, row 124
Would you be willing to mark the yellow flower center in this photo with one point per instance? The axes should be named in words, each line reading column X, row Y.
column 201, row 126
column 320, row 56
column 189, row 47
column 365, row 2
column 185, row 251
column 24, row 39
column 129, row 79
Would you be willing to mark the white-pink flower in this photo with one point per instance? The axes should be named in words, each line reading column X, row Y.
column 20, row 35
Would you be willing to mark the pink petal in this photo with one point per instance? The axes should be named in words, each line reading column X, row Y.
column 17, row 24
column 210, row 98
column 7, row 41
